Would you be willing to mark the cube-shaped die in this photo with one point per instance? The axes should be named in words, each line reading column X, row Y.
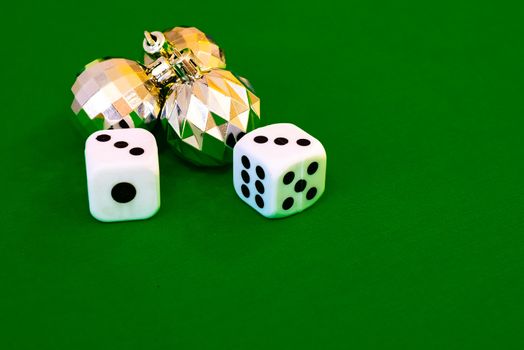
column 122, row 174
column 279, row 170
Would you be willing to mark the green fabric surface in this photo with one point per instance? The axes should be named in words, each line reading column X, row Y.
column 417, row 243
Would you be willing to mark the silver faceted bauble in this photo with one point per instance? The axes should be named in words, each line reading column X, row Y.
column 115, row 93
column 205, row 117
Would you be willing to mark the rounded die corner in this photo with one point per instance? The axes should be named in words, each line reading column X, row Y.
column 100, row 217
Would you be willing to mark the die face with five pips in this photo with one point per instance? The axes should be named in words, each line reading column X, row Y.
column 279, row 170
column 122, row 174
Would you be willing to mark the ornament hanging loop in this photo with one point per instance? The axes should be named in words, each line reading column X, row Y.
column 155, row 44
column 149, row 38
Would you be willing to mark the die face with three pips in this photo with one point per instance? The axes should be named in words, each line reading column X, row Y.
column 122, row 174
column 279, row 170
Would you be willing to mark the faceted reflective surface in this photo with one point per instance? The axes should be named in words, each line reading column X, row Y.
column 204, row 48
column 113, row 94
column 205, row 118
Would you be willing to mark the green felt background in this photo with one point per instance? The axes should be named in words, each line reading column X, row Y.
column 418, row 242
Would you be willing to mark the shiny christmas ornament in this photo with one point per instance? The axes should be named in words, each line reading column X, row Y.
column 206, row 110
column 115, row 93
column 203, row 47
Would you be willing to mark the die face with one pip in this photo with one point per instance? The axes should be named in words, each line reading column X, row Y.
column 122, row 174
column 279, row 170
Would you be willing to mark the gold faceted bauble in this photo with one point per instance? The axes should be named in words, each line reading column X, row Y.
column 115, row 93
column 204, row 118
column 203, row 47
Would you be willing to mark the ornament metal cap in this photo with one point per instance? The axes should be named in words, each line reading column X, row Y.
column 203, row 46
column 186, row 66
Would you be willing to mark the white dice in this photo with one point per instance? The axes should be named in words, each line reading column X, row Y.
column 279, row 170
column 122, row 174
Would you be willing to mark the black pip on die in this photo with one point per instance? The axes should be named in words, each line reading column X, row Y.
column 279, row 170
column 122, row 174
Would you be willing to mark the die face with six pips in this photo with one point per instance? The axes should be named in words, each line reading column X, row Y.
column 279, row 170
column 122, row 174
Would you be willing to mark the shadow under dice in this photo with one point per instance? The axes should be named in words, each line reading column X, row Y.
column 122, row 174
column 279, row 170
